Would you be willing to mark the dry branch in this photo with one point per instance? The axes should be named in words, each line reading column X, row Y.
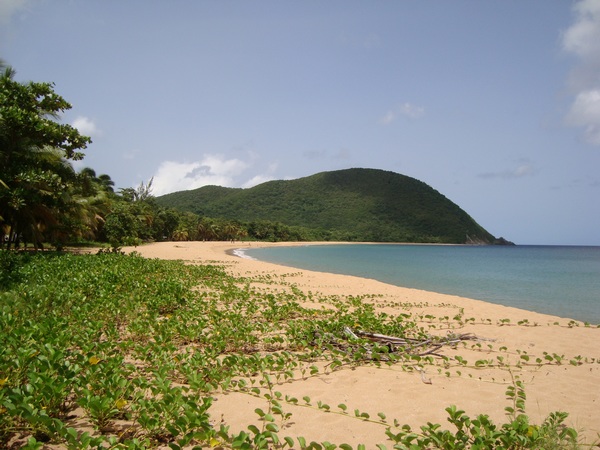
column 429, row 345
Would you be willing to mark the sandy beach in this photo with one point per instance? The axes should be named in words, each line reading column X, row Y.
column 413, row 397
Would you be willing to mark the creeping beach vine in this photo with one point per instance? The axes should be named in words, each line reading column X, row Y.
column 117, row 351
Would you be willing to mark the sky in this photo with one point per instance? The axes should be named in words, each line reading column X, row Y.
column 495, row 104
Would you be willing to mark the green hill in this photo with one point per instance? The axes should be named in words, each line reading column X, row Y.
column 354, row 204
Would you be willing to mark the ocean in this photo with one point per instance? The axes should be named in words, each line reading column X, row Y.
column 560, row 280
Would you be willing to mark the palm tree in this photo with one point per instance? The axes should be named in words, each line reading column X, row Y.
column 181, row 235
column 106, row 182
column 37, row 195
column 83, row 209
column 92, row 182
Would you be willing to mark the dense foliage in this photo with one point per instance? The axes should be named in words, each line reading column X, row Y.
column 353, row 205
column 34, row 150
column 113, row 351
column 43, row 200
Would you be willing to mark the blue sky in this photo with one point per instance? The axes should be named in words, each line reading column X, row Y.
column 496, row 104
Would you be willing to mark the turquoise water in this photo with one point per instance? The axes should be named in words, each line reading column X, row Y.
column 562, row 281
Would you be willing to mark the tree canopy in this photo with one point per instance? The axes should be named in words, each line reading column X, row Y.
column 35, row 150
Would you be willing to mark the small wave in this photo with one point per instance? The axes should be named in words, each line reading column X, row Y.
column 241, row 253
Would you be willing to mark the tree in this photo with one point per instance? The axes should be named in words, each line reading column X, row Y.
column 106, row 182
column 135, row 217
column 122, row 226
column 34, row 154
column 88, row 199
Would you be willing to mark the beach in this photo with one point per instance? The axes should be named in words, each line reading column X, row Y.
column 567, row 379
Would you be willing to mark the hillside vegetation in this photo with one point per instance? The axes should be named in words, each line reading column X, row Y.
column 353, row 204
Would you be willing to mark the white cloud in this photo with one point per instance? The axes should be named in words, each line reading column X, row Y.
column 262, row 178
column 86, row 126
column 256, row 180
column 585, row 112
column 522, row 170
column 412, row 111
column 582, row 39
column 406, row 109
column 173, row 176
column 9, row 7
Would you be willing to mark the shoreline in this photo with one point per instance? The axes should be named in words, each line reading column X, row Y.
column 511, row 332
column 551, row 298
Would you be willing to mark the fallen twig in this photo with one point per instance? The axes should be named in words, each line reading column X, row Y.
column 427, row 346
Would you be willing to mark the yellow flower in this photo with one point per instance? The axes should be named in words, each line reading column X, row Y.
column 3, row 381
column 121, row 403
column 94, row 360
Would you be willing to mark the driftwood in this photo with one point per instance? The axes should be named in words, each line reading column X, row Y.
column 411, row 346
column 426, row 346
column 417, row 347
column 357, row 341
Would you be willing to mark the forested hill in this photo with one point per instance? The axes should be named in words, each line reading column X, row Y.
column 354, row 204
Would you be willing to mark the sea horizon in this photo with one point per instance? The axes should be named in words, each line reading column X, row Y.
column 559, row 280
